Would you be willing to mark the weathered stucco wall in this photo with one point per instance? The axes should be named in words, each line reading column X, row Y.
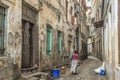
column 117, row 34
column 34, row 3
column 46, row 14
column 46, row 60
column 111, row 39
column 13, row 29
column 14, row 39
column 89, row 42
column 6, row 69
column 51, row 18
column 117, row 73
column 110, row 70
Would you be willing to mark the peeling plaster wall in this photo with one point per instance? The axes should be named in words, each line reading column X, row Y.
column 6, row 69
column 110, row 38
column 96, row 33
column 46, row 15
column 33, row 3
column 14, row 39
column 116, row 10
column 83, row 32
column 110, row 70
column 49, row 16
column 13, row 29
column 111, row 52
column 14, row 34
column 34, row 6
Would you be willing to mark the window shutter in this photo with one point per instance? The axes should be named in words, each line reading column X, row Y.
column 59, row 42
column 2, row 30
column 49, row 41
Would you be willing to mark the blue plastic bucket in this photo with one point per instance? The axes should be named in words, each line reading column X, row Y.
column 102, row 72
column 55, row 73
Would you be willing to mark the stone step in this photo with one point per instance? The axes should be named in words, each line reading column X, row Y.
column 37, row 76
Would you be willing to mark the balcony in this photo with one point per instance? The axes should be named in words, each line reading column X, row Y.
column 99, row 23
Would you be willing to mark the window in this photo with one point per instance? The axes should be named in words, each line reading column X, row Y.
column 59, row 1
column 72, row 19
column 2, row 30
column 71, row 10
column 59, row 42
column 66, row 10
column 49, row 40
column 59, row 18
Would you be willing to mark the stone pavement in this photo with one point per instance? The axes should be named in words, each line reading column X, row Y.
column 85, row 71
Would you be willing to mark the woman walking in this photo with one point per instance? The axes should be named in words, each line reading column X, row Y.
column 74, row 63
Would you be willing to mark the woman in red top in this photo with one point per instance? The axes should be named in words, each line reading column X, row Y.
column 74, row 63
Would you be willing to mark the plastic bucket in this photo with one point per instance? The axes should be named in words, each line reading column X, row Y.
column 55, row 73
column 102, row 72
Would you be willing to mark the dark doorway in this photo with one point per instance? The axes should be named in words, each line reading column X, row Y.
column 30, row 56
column 69, row 43
column 84, row 51
column 27, row 44
column 77, row 39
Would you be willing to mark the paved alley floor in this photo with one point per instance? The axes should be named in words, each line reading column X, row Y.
column 85, row 71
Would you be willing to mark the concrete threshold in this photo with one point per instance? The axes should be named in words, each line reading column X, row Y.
column 38, row 75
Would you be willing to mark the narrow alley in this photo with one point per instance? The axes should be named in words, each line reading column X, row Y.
column 42, row 39
column 85, row 71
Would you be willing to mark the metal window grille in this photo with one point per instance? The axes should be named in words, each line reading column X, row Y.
column 2, row 30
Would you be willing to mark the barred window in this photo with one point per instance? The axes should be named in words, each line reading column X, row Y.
column 2, row 30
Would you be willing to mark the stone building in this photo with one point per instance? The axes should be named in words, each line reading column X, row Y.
column 40, row 34
column 57, row 43
column 111, row 38
column 19, row 23
column 37, row 34
column 83, row 30
column 10, row 36
column 88, row 23
column 96, row 28
column 110, row 22
column 107, row 26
